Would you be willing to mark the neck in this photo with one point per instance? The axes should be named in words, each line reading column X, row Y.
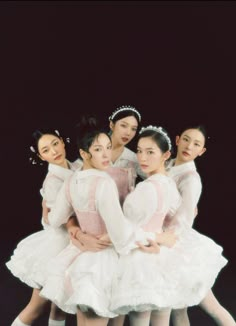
column 65, row 165
column 178, row 161
column 116, row 145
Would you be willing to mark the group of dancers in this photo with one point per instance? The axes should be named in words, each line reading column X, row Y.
column 110, row 246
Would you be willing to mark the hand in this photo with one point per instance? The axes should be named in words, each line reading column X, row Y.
column 45, row 211
column 78, row 244
column 151, row 248
column 167, row 238
column 91, row 243
column 105, row 237
column 72, row 230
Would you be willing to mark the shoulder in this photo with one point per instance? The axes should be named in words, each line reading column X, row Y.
column 51, row 179
column 78, row 164
column 190, row 176
column 129, row 155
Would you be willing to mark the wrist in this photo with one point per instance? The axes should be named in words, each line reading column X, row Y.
column 159, row 238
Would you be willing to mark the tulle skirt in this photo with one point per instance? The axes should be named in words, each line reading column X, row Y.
column 32, row 254
column 82, row 280
column 175, row 278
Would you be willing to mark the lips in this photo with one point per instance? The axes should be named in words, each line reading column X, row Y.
column 106, row 163
column 58, row 157
column 124, row 139
column 144, row 166
column 185, row 154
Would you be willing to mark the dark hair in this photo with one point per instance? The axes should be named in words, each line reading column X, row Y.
column 158, row 137
column 199, row 127
column 125, row 111
column 36, row 136
column 88, row 130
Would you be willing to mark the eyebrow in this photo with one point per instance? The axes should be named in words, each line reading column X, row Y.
column 97, row 145
column 133, row 126
column 41, row 149
column 198, row 141
column 147, row 148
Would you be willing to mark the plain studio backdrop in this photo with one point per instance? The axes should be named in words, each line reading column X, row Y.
column 174, row 61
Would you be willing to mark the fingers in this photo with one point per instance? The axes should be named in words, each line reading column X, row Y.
column 152, row 247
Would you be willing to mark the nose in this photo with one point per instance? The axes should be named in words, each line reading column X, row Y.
column 105, row 153
column 53, row 150
column 189, row 145
column 128, row 131
column 141, row 157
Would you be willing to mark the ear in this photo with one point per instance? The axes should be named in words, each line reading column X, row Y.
column 84, row 154
column 41, row 158
column 111, row 125
column 167, row 155
column 177, row 140
column 202, row 151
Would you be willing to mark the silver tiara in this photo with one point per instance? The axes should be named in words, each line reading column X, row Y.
column 158, row 130
column 125, row 108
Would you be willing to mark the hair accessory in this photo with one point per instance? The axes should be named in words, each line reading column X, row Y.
column 32, row 161
column 68, row 140
column 57, row 132
column 125, row 108
column 32, row 149
column 158, row 130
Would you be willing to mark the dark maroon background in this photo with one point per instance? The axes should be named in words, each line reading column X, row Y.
column 175, row 61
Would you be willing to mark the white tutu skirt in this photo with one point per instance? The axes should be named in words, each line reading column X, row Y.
column 175, row 278
column 82, row 280
column 30, row 258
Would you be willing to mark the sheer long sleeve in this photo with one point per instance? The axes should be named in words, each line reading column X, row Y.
column 122, row 232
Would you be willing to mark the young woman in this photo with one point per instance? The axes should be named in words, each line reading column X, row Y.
column 124, row 124
column 32, row 253
column 92, row 195
column 172, row 278
column 190, row 145
column 124, row 167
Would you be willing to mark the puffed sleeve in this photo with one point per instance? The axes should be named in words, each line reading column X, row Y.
column 141, row 204
column 190, row 189
column 62, row 209
column 50, row 190
column 122, row 232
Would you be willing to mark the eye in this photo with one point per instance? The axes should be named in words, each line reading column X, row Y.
column 56, row 143
column 138, row 151
column 196, row 144
column 134, row 129
column 150, row 152
column 109, row 147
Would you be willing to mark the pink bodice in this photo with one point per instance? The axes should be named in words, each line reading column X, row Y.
column 124, row 179
column 90, row 221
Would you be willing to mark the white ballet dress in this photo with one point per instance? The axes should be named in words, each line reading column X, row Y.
column 32, row 254
column 84, row 279
column 176, row 277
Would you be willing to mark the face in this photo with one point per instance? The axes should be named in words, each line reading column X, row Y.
column 99, row 155
column 150, row 157
column 52, row 149
column 124, row 130
column 190, row 145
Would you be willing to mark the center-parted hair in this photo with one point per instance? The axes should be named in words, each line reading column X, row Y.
column 36, row 136
column 125, row 111
column 159, row 135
